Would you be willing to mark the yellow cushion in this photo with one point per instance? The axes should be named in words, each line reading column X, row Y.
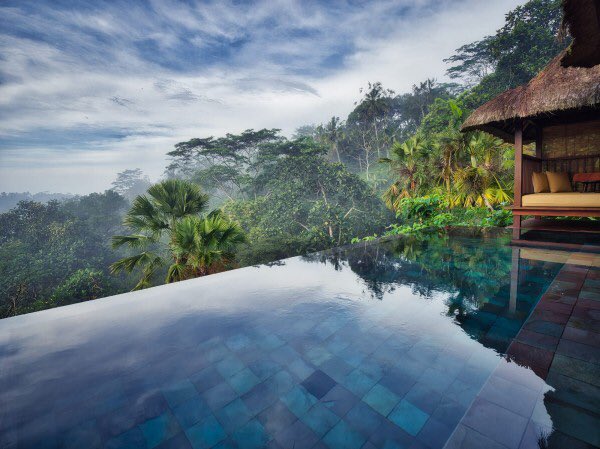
column 540, row 182
column 559, row 182
column 563, row 199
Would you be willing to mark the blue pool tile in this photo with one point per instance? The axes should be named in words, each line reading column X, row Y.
column 298, row 400
column 363, row 418
column 191, row 411
column 270, row 342
column 398, row 381
column 389, row 435
column 381, row 399
column 237, row 342
column 435, row 433
column 300, row 369
column 284, row 355
column 409, row 417
column 133, row 438
column 219, row 396
column 243, row 381
column 206, row 379
column 437, row 380
column 178, row 392
column 342, row 436
column 352, row 356
column 372, row 368
column 230, row 366
column 226, row 444
column 297, row 436
column 358, row 382
column 216, row 353
column 260, row 397
column 461, row 392
column 339, row 400
column 264, row 368
column 251, row 436
column 234, row 415
column 449, row 411
column 179, row 441
column 206, row 433
column 276, row 417
column 281, row 382
column 424, row 397
column 336, row 368
column 318, row 384
column 159, row 429
column 318, row 355
column 320, row 419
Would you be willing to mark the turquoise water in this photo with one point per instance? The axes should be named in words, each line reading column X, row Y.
column 384, row 344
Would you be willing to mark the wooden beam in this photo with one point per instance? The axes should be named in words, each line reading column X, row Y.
column 518, row 162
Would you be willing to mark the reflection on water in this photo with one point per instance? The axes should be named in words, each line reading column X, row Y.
column 387, row 343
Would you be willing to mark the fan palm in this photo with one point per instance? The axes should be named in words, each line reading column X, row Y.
column 154, row 219
column 203, row 245
column 404, row 161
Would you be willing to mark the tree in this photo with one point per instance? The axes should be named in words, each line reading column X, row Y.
column 159, row 221
column 405, row 161
column 130, row 183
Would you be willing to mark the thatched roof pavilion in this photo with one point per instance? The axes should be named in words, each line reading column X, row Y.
column 559, row 110
column 569, row 86
column 557, row 92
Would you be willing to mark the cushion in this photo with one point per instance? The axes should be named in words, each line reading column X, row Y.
column 559, row 182
column 564, row 199
column 540, row 182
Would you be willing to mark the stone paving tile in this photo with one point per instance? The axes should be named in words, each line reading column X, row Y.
column 513, row 397
column 579, row 351
column 484, row 416
column 577, row 369
column 537, row 359
column 537, row 340
column 576, row 392
column 575, row 422
column 582, row 336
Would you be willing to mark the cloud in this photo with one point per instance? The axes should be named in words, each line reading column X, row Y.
column 88, row 91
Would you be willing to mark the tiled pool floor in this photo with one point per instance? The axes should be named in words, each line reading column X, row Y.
column 389, row 345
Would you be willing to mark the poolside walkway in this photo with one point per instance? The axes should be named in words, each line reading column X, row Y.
column 560, row 343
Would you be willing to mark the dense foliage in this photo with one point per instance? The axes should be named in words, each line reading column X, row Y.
column 397, row 164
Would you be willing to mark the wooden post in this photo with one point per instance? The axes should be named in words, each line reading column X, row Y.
column 538, row 151
column 514, row 280
column 518, row 177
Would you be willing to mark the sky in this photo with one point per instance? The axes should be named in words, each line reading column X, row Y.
column 91, row 88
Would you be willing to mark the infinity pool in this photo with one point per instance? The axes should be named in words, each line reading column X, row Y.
column 386, row 344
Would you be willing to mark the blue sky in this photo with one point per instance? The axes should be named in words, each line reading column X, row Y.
column 89, row 88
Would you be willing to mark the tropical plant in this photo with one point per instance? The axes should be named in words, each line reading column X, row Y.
column 405, row 161
column 167, row 223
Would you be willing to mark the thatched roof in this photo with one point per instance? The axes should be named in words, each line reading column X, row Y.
column 555, row 90
column 581, row 20
column 568, row 86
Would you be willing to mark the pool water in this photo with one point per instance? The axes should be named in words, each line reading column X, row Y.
column 385, row 344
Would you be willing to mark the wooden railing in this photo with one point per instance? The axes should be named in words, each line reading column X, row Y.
column 588, row 163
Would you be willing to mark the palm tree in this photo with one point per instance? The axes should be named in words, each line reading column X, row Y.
column 203, row 245
column 404, row 160
column 478, row 184
column 155, row 219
